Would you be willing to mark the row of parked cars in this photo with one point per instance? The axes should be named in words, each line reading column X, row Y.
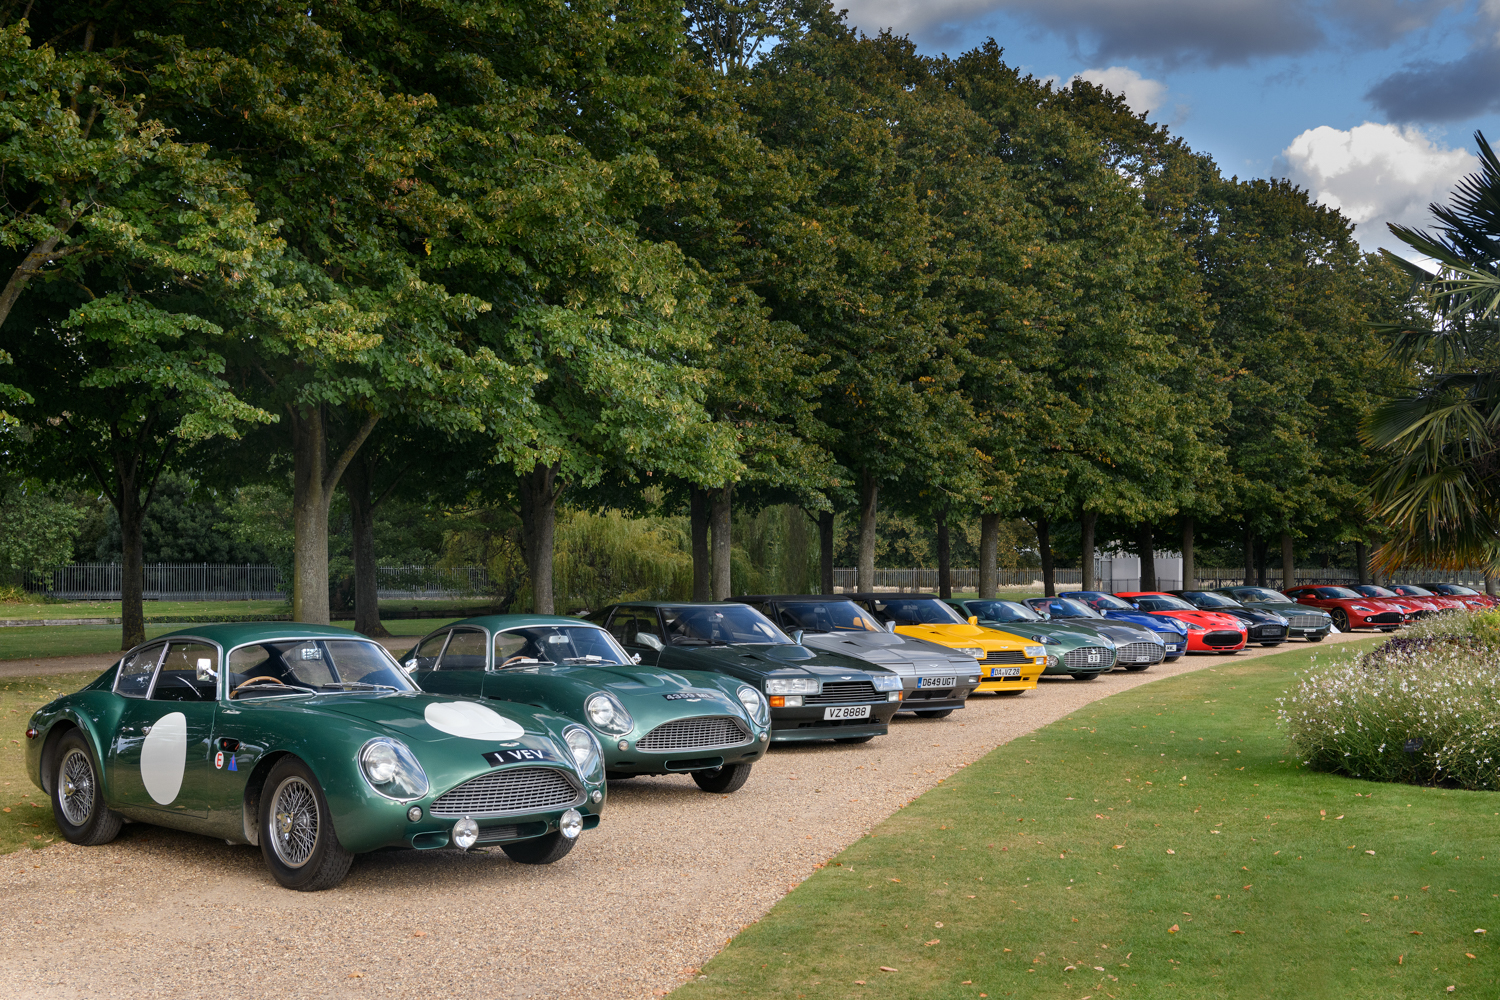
column 316, row 743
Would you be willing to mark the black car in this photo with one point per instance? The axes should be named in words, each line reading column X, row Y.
column 813, row 695
column 1303, row 622
column 1269, row 628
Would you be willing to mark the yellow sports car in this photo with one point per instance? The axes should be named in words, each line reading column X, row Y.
column 1008, row 664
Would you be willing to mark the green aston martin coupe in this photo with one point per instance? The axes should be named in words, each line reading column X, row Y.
column 650, row 720
column 1080, row 653
column 312, row 743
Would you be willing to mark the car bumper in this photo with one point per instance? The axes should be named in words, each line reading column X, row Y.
column 630, row 761
column 438, row 833
column 1195, row 643
column 916, row 699
column 1026, row 681
column 791, row 725
column 1307, row 633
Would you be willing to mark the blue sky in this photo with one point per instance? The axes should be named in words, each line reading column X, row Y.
column 1370, row 104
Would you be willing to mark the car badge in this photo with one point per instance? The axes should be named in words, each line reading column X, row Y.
column 846, row 678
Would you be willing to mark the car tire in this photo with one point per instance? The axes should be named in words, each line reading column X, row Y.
column 1227, row 652
column 933, row 713
column 855, row 739
column 1315, row 638
column 1271, row 645
column 1010, row 694
column 77, row 798
column 1340, row 619
column 541, row 850
column 725, row 778
column 297, row 839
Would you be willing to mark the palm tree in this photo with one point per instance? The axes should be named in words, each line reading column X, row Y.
column 1440, row 492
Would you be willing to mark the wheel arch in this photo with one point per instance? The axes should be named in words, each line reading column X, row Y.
column 47, row 760
column 255, row 784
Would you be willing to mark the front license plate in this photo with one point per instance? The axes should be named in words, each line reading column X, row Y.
column 1093, row 657
column 936, row 682
column 846, row 712
column 1171, row 649
column 1006, row 672
column 519, row 755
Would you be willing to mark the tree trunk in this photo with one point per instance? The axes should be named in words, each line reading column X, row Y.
column 1489, row 585
column 723, row 506
column 362, row 507
column 1362, row 563
column 538, row 494
column 825, row 551
column 1288, row 570
column 1261, row 548
column 1189, row 570
column 1249, row 555
column 314, row 478
column 702, row 565
column 1087, row 522
column 132, row 564
column 1044, row 546
column 1147, row 546
column 945, row 568
column 869, row 499
column 989, row 555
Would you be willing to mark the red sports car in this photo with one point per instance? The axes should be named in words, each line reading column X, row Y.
column 1472, row 598
column 1456, row 602
column 1422, row 607
column 1351, row 610
column 1208, row 631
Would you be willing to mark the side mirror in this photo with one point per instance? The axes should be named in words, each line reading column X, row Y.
column 635, row 658
column 649, row 641
column 973, row 619
column 206, row 671
column 797, row 636
column 410, row 664
column 890, row 626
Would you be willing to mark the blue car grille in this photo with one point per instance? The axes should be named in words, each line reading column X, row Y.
column 694, row 734
column 519, row 790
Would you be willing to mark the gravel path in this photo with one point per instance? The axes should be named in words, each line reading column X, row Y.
column 640, row 903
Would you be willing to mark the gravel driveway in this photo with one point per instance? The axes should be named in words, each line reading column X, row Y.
column 641, row 902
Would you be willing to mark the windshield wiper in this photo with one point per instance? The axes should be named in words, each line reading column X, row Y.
column 358, row 686
column 590, row 658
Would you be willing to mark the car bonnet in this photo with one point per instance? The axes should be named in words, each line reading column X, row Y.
column 903, row 655
column 630, row 681
column 431, row 718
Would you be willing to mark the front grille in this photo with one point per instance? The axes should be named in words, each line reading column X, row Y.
column 703, row 733
column 520, row 790
column 1078, row 659
column 1269, row 632
column 1005, row 656
column 1222, row 638
column 841, row 691
column 1388, row 618
column 1140, row 652
column 1306, row 621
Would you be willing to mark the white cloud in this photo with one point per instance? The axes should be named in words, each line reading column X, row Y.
column 1376, row 174
column 1140, row 93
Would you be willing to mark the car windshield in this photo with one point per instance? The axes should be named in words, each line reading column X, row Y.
column 1162, row 602
column 917, row 611
column 1100, row 601
column 826, row 616
column 1204, row 599
column 727, row 623
column 560, row 644
column 1454, row 590
column 321, row 666
column 1061, row 607
column 1261, row 595
column 1002, row 611
column 1337, row 593
column 1370, row 591
column 1410, row 591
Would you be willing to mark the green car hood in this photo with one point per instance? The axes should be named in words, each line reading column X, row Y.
column 630, row 682
column 406, row 716
column 1068, row 636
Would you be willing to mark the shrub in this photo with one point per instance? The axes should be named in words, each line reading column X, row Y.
column 1423, row 709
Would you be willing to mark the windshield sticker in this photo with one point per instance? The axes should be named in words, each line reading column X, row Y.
column 311, row 653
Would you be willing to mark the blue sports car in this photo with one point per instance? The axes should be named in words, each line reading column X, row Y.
column 1173, row 632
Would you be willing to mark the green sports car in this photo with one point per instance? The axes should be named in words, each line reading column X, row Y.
column 650, row 720
column 312, row 743
column 1082, row 653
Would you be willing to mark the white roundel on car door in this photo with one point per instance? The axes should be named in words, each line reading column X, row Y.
column 471, row 721
column 163, row 757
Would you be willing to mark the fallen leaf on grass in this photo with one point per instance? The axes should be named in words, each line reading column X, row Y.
column 1172, row 929
column 1467, row 955
column 1169, row 851
column 1400, row 959
column 887, row 968
column 895, row 880
column 938, row 924
column 1119, row 847
column 1418, row 933
column 929, row 944
column 859, row 982
column 967, row 982
column 1236, row 932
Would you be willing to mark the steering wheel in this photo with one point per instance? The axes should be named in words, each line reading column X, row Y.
column 267, row 679
column 520, row 659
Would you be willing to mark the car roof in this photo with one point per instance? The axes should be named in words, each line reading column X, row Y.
column 494, row 622
column 670, row 604
column 238, row 633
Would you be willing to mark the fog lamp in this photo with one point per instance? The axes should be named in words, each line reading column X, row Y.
column 623, row 744
column 570, row 824
column 597, row 797
column 414, row 813
column 764, row 737
column 465, row 833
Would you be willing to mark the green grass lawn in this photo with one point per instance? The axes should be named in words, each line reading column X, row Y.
column 1156, row 844
column 25, row 813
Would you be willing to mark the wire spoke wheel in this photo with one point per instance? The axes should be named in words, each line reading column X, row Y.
column 294, row 822
column 75, row 779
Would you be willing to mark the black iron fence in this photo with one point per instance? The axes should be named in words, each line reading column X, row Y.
column 964, row 580
column 243, row 582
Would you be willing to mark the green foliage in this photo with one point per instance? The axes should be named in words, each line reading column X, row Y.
column 36, row 527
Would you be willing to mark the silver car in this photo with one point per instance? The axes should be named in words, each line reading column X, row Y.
column 935, row 679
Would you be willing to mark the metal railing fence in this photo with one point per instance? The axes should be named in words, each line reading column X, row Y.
column 964, row 580
column 243, row 582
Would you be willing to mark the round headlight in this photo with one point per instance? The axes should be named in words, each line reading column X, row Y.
column 381, row 763
column 755, row 705
column 607, row 714
column 392, row 769
column 585, row 750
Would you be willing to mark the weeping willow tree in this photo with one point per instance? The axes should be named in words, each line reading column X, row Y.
column 1439, row 492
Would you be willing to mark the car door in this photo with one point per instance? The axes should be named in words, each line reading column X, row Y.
column 628, row 624
column 421, row 663
column 166, row 770
column 460, row 667
column 122, row 757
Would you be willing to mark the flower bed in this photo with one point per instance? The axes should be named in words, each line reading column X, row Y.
column 1423, row 709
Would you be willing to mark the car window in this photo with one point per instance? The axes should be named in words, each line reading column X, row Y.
column 426, row 654
column 825, row 616
column 568, row 645
column 1370, row 591
column 134, row 678
column 1336, row 593
column 178, row 678
column 1061, row 607
column 465, row 650
column 320, row 666
column 1002, row 611
column 1203, row 599
column 1261, row 595
column 626, row 624
column 916, row 611
column 720, row 623
column 1414, row 592
column 1161, row 602
column 1099, row 601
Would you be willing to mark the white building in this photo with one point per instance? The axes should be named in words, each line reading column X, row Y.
column 1119, row 571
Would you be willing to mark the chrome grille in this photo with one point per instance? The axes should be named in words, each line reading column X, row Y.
column 1005, row 656
column 1222, row 638
column 841, row 691
column 520, row 790
column 1140, row 652
column 1306, row 621
column 1078, row 659
column 702, row 733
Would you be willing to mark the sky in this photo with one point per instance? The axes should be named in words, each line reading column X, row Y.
column 1371, row 105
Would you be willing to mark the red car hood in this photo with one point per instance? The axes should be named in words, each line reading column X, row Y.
column 1208, row 619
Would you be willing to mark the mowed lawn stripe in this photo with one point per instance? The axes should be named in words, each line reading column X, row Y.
column 1159, row 843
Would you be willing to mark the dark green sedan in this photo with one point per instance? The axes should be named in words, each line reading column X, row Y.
column 313, row 744
column 650, row 720
column 813, row 695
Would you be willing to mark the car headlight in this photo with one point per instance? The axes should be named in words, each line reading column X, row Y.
column 584, row 747
column 607, row 714
column 886, row 682
column 755, row 705
column 973, row 651
column 392, row 770
column 792, row 685
column 1362, row 608
column 1035, row 651
column 1190, row 626
column 1046, row 640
